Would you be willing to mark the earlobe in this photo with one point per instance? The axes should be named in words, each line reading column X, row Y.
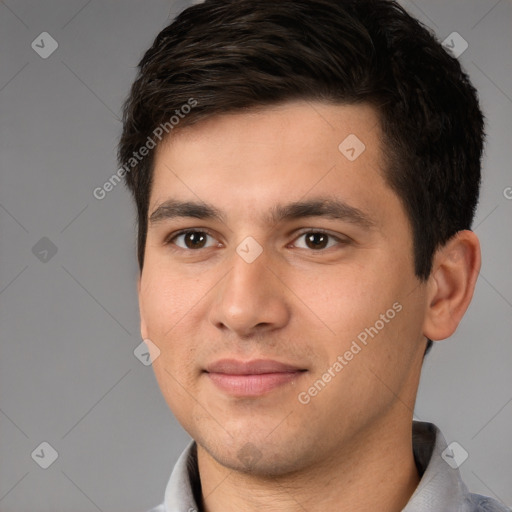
column 451, row 284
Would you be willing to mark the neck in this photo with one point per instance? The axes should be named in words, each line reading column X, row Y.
column 375, row 472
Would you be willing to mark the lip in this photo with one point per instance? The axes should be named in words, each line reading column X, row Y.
column 251, row 378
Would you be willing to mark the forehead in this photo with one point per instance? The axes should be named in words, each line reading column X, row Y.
column 302, row 127
column 256, row 159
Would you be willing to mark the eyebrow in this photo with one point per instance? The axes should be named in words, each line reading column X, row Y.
column 173, row 208
column 323, row 207
column 330, row 208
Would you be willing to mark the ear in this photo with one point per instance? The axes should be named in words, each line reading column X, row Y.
column 451, row 284
column 143, row 327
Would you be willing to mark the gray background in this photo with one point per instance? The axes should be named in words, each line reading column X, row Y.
column 68, row 375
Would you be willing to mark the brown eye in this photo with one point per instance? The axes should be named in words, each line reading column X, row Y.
column 195, row 240
column 316, row 240
column 191, row 240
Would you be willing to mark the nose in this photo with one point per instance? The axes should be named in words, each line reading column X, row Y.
column 251, row 299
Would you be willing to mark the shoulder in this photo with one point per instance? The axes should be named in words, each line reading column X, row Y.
column 479, row 503
column 160, row 508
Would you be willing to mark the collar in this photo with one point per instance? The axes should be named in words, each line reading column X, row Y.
column 441, row 486
column 440, row 489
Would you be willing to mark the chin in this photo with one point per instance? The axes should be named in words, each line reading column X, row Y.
column 258, row 457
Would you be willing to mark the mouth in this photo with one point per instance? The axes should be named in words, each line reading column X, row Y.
column 251, row 378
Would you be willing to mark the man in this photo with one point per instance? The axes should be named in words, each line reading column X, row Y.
column 305, row 174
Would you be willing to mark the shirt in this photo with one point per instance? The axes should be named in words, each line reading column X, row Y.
column 441, row 488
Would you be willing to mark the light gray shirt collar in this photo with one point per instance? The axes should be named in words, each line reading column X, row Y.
column 441, row 488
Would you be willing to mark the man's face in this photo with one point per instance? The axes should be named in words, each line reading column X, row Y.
column 302, row 287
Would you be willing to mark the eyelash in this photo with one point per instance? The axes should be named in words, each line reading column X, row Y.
column 169, row 241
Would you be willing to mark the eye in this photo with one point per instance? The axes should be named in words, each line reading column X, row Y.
column 318, row 240
column 192, row 239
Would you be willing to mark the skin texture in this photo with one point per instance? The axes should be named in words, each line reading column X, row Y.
column 349, row 447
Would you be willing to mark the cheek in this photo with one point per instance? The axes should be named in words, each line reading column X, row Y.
column 167, row 297
column 170, row 304
column 167, row 307
column 368, row 304
column 345, row 299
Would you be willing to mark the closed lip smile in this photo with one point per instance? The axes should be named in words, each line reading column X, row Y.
column 251, row 378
